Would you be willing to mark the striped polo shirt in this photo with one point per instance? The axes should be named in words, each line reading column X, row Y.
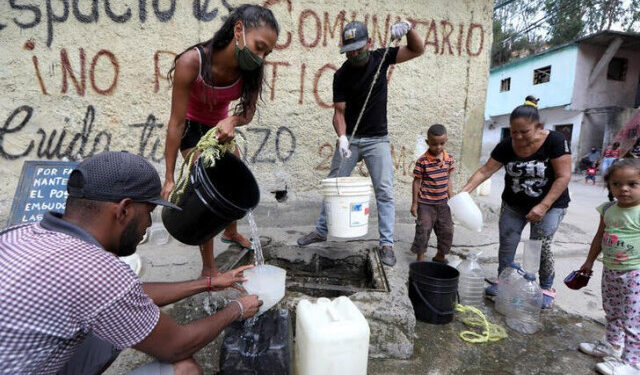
column 434, row 176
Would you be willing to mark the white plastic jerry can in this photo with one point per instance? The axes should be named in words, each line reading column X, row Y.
column 332, row 337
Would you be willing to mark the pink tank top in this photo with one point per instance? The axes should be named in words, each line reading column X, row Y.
column 210, row 104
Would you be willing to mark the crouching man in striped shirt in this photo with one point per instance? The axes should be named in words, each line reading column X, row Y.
column 431, row 190
column 68, row 305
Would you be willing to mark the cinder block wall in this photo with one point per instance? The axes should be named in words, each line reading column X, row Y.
column 80, row 80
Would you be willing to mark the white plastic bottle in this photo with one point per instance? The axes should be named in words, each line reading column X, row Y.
column 471, row 282
column 523, row 309
column 506, row 278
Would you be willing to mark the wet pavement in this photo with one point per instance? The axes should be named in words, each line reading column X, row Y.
column 576, row 317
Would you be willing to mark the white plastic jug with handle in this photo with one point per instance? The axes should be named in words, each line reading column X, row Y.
column 465, row 211
column 267, row 282
column 332, row 337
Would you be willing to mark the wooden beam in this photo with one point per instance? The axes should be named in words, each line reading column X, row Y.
column 612, row 49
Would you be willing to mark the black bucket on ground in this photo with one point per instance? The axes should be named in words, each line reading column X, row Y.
column 433, row 291
column 212, row 199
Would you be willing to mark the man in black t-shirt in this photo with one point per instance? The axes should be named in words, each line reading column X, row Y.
column 351, row 85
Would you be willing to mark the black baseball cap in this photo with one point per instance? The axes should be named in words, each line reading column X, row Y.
column 354, row 36
column 112, row 176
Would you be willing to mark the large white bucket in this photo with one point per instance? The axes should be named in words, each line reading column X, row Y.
column 346, row 203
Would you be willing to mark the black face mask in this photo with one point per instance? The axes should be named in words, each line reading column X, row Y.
column 247, row 60
column 359, row 59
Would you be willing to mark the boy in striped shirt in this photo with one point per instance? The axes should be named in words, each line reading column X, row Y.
column 431, row 191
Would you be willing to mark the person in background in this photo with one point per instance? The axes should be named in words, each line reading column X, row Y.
column 609, row 155
column 206, row 78
column 351, row 84
column 537, row 163
column 634, row 151
column 618, row 239
column 70, row 305
column 432, row 189
column 590, row 159
column 591, row 174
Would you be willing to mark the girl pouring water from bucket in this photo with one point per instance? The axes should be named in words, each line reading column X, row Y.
column 537, row 171
column 206, row 78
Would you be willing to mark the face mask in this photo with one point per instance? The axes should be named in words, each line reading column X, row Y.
column 359, row 59
column 246, row 59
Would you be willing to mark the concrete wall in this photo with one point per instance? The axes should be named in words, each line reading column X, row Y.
column 604, row 92
column 95, row 74
column 551, row 117
column 608, row 104
column 554, row 93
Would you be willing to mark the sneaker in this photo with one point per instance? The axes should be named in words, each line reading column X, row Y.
column 387, row 256
column 548, row 295
column 600, row 349
column 310, row 238
column 616, row 366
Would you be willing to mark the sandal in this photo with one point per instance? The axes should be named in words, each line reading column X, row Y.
column 237, row 239
column 548, row 295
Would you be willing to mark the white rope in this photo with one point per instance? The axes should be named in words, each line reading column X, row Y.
column 366, row 100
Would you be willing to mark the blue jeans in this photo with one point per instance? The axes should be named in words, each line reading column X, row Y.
column 606, row 163
column 512, row 222
column 376, row 152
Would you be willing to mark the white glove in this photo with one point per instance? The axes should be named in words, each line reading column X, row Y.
column 344, row 146
column 400, row 29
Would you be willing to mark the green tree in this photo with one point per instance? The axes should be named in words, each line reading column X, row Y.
column 500, row 52
column 564, row 18
column 603, row 14
column 514, row 31
column 523, row 27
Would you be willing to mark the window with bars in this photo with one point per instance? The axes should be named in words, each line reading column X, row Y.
column 505, row 84
column 542, row 75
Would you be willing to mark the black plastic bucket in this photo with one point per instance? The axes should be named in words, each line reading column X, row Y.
column 212, row 199
column 433, row 291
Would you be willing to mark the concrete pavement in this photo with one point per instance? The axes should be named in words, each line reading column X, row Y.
column 286, row 221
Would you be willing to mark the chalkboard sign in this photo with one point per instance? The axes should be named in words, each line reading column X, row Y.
column 42, row 187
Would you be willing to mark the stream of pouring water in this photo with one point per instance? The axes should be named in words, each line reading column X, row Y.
column 255, row 239
column 257, row 248
column 257, row 252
